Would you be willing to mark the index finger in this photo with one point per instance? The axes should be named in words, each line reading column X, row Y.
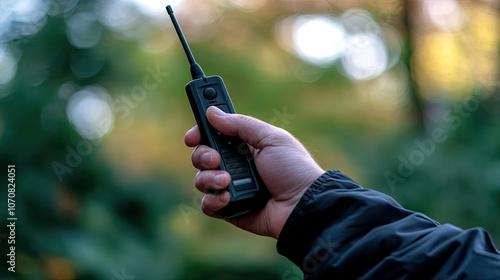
column 193, row 137
column 253, row 131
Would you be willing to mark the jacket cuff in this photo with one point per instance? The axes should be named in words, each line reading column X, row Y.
column 287, row 241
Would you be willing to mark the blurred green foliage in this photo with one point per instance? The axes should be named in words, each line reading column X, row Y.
column 123, row 206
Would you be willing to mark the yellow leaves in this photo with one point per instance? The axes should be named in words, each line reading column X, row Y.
column 451, row 64
column 483, row 28
column 483, row 41
column 441, row 66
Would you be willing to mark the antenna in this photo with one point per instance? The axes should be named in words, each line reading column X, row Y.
column 196, row 71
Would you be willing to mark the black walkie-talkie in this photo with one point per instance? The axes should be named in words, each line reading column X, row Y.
column 248, row 192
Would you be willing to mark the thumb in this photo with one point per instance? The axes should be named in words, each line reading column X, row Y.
column 250, row 130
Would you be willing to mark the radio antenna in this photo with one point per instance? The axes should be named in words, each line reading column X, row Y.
column 196, row 71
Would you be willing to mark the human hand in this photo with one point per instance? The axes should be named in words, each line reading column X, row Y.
column 283, row 163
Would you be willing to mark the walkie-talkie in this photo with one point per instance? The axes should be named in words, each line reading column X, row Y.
column 248, row 192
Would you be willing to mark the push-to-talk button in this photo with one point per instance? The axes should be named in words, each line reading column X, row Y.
column 209, row 93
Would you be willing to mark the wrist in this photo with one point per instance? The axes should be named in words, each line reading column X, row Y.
column 285, row 210
column 280, row 220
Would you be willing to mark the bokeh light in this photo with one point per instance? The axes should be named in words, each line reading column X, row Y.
column 354, row 37
column 365, row 57
column 445, row 14
column 119, row 16
column 153, row 7
column 8, row 65
column 83, row 30
column 21, row 18
column 90, row 113
column 359, row 21
column 318, row 39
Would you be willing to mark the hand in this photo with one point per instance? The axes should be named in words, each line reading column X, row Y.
column 283, row 163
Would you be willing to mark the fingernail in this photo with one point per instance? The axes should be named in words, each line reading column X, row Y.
column 218, row 111
column 219, row 180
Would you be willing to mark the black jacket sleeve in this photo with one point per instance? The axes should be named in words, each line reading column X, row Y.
column 339, row 230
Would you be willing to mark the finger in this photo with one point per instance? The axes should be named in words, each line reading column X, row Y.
column 204, row 157
column 212, row 181
column 251, row 130
column 193, row 137
column 210, row 203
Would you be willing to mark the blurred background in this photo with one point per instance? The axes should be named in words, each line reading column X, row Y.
column 403, row 96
